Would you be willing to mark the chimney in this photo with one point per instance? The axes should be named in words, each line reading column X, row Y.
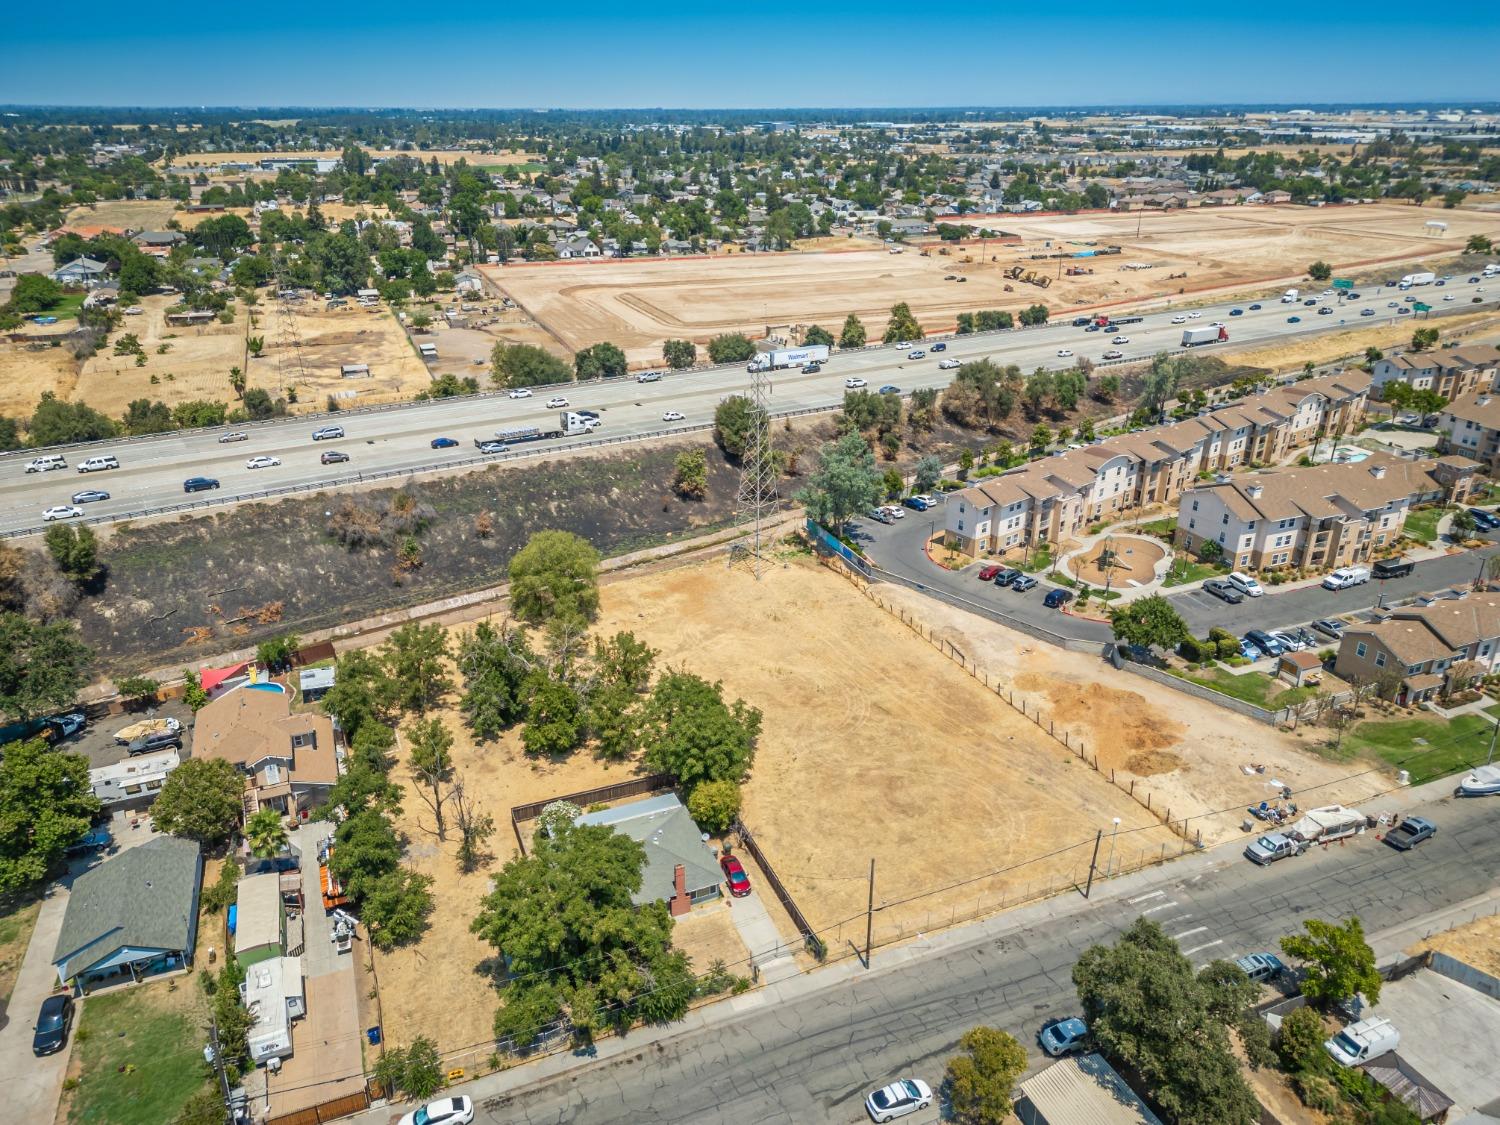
column 1254, row 491
column 1378, row 472
column 680, row 903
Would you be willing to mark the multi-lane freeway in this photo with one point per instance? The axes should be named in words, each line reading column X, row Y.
column 153, row 469
column 810, row 1058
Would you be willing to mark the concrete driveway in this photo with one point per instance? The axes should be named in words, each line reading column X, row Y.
column 30, row 1086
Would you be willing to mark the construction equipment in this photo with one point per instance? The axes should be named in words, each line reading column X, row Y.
column 1042, row 280
column 1015, row 272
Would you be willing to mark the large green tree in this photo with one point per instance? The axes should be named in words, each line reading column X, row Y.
column 34, row 293
column 575, row 945
column 416, row 661
column 75, row 550
column 555, row 575
column 362, row 692
column 692, row 734
column 845, row 482
column 902, row 324
column 980, row 1080
column 1338, row 962
column 42, row 665
column 1149, row 621
column 730, row 348
column 1145, row 1007
column 54, row 422
column 852, row 335
column 525, row 365
column 200, row 800
column 679, row 354
column 494, row 665
column 734, row 424
column 600, row 361
column 45, row 806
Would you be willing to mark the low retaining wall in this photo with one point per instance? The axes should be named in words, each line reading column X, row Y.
column 1461, row 971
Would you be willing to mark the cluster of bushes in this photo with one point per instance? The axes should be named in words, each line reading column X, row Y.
column 1220, row 644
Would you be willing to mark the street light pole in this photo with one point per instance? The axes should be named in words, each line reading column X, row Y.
column 1109, row 866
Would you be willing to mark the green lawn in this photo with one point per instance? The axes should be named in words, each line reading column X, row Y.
column 140, row 1054
column 1041, row 559
column 1422, row 524
column 1185, row 570
column 17, row 920
column 1252, row 687
column 1161, row 529
column 1452, row 746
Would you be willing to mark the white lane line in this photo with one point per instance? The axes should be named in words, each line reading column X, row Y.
column 1159, row 906
column 1200, row 948
column 1174, row 921
column 1189, row 933
column 1143, row 898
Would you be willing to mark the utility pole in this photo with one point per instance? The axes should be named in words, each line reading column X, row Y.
column 1094, row 862
column 870, row 910
column 217, row 1060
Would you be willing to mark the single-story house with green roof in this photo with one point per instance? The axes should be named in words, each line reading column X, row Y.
column 132, row 917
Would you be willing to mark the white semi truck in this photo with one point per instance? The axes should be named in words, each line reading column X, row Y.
column 1411, row 279
column 1209, row 334
column 1290, row 296
column 789, row 357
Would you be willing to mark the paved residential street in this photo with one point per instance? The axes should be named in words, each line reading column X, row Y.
column 30, row 1086
column 806, row 1050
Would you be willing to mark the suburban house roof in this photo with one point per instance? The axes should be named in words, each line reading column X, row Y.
column 258, row 914
column 143, row 899
column 82, row 265
column 1483, row 409
column 1084, row 1091
column 248, row 726
column 1461, row 359
column 1322, row 491
column 1411, row 642
column 663, row 825
column 1457, row 622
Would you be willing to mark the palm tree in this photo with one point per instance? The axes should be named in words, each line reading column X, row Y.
column 266, row 833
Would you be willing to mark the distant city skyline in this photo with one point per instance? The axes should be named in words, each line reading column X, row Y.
column 591, row 55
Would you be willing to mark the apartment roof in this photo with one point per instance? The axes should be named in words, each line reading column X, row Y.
column 1321, row 491
column 1481, row 408
column 1411, row 642
column 1458, row 622
column 249, row 724
column 1478, row 355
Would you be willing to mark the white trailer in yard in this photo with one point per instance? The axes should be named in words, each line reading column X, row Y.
column 789, row 357
column 1209, row 334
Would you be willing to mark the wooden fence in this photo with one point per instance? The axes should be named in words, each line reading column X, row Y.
column 747, row 840
column 326, row 1111
column 635, row 787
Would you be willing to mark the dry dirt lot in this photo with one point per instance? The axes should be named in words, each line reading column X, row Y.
column 1476, row 944
column 28, row 370
column 126, row 214
column 1189, row 754
column 639, row 303
column 1336, row 345
column 329, row 339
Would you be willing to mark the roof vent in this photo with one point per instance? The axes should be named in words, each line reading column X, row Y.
column 1254, row 491
column 1378, row 472
column 1482, row 400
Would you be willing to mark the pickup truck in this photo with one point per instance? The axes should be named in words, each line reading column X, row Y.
column 1273, row 846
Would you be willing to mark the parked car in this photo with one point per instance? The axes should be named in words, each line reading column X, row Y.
column 264, row 461
column 333, row 457
column 95, row 840
column 854, row 383
column 1058, row 1037
column 1056, row 599
column 90, row 496
column 52, row 1024
column 1268, row 645
column 1360, row 1042
column 62, row 512
column 1485, row 521
column 880, row 515
column 1346, row 576
column 987, row 573
column 59, row 727
column 1221, row 589
column 519, row 392
column 199, row 484
column 734, row 875
column 895, row 511
column 1289, row 641
column 1410, row 832
column 1261, row 967
column 327, row 433
column 1246, row 584
column 907, row 1095
column 1006, row 576
column 1248, row 650
column 156, row 740
column 671, row 416
column 239, row 435
column 444, row 442
column 1023, row 583
column 1330, row 627
column 558, row 403
column 444, row 1111
column 1303, row 634
column 917, row 503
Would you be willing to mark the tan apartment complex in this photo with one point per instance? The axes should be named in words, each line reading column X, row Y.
column 1452, row 372
column 1448, row 641
column 1059, row 497
column 1471, row 426
column 1318, row 517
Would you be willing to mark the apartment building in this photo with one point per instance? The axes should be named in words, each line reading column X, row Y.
column 1471, row 426
column 1054, row 499
column 1319, row 517
column 1452, row 373
column 1452, row 639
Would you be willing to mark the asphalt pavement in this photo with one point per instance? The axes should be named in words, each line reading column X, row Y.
column 153, row 468
column 808, row 1050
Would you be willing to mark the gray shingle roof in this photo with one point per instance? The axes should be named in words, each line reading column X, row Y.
column 666, row 829
column 144, row 898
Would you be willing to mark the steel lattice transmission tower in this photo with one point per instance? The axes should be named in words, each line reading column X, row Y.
column 755, row 504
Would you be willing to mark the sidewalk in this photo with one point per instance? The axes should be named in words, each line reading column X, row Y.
column 30, row 1087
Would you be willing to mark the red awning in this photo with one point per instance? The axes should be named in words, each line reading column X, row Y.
column 211, row 678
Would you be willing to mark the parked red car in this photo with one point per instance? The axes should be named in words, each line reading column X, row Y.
column 989, row 572
column 739, row 882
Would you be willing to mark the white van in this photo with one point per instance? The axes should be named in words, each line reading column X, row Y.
column 46, row 463
column 95, row 464
column 1346, row 576
column 1360, row 1042
column 1245, row 584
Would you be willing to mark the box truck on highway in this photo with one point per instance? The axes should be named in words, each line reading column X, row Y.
column 1290, row 295
column 789, row 357
column 1210, row 334
column 1418, row 279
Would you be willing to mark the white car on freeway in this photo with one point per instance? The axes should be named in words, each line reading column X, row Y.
column 444, row 1111
column 901, row 345
column 947, row 364
column 1064, row 353
column 918, row 354
column 1179, row 320
column 1195, row 315
column 1114, row 354
column 262, row 462
column 1120, row 340
column 671, row 416
column 237, row 435
column 905, row 1095
column 854, row 383
column 62, row 512
column 520, row 392
column 558, row 403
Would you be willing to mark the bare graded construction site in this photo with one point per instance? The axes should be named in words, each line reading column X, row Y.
column 637, row 303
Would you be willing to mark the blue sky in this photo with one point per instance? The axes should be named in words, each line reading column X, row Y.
column 773, row 53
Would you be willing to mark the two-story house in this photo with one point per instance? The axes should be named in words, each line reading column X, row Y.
column 1431, row 646
column 289, row 759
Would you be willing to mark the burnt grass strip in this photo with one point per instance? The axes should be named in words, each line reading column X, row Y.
column 186, row 590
